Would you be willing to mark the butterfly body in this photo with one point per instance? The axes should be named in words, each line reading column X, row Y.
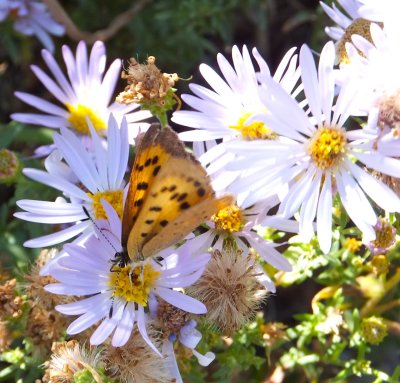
column 168, row 197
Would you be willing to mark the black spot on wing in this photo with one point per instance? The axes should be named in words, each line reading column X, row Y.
column 164, row 223
column 182, row 197
column 155, row 208
column 156, row 170
column 142, row 185
column 201, row 191
column 184, row 206
column 139, row 202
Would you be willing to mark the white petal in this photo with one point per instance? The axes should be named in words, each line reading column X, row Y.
column 182, row 301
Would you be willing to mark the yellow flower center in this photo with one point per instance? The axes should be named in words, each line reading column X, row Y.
column 352, row 245
column 360, row 27
column 229, row 219
column 254, row 131
column 133, row 285
column 327, row 147
column 77, row 118
column 114, row 198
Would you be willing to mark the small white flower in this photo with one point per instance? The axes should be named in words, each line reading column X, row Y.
column 84, row 94
column 118, row 296
column 32, row 18
column 315, row 156
column 84, row 178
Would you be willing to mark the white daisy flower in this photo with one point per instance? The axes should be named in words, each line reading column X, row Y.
column 315, row 156
column 85, row 178
column 84, row 94
column 119, row 295
column 235, row 223
column 223, row 111
column 32, row 18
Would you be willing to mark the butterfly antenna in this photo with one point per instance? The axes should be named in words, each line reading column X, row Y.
column 99, row 229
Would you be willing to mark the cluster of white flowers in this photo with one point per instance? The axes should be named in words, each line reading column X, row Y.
column 277, row 141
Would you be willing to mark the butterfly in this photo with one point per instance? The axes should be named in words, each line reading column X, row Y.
column 169, row 195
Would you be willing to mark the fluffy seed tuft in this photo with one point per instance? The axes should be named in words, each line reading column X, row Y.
column 230, row 290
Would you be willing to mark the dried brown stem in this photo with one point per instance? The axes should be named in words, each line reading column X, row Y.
column 76, row 34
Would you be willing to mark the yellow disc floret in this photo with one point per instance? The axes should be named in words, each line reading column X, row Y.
column 78, row 115
column 114, row 198
column 229, row 219
column 352, row 245
column 254, row 131
column 327, row 147
column 133, row 284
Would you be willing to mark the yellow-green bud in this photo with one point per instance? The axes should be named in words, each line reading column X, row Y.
column 373, row 330
column 9, row 166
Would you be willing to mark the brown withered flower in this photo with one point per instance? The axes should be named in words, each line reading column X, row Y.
column 10, row 302
column 146, row 82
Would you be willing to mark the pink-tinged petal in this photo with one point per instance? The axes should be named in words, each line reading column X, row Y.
column 297, row 194
column 78, row 159
column 82, row 306
column 309, row 209
column 324, row 216
column 40, row 119
column 42, row 105
column 56, row 183
column 97, row 61
column 352, row 205
column 182, row 301
column 124, row 329
column 103, row 331
column 204, row 360
column 182, row 281
column 61, row 289
column 377, row 161
column 326, row 79
column 141, row 323
column 48, row 219
column 85, row 321
column 310, row 82
column 268, row 252
column 58, row 237
column 51, row 208
column 217, row 83
column 110, row 80
column 168, row 351
column 381, row 194
column 64, row 87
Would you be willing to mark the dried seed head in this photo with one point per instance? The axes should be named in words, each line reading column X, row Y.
column 230, row 290
column 69, row 358
column 44, row 327
column 170, row 318
column 145, row 82
column 35, row 283
column 136, row 362
column 10, row 302
column 5, row 337
column 389, row 113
